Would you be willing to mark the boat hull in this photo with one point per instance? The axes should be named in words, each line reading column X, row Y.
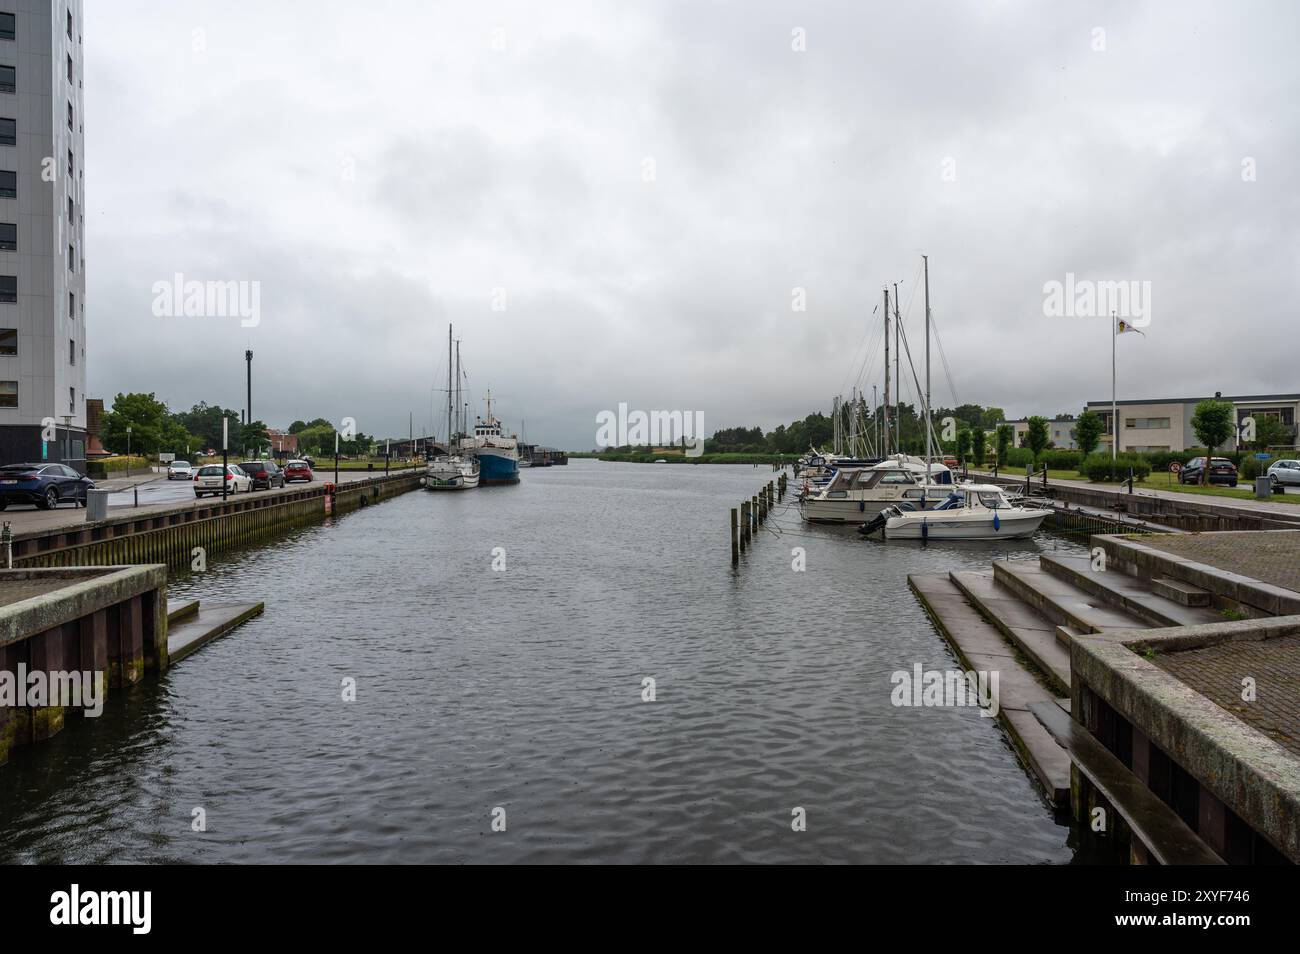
column 939, row 527
column 497, row 465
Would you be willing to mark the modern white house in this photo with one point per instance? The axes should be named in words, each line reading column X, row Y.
column 42, row 233
column 1060, row 434
column 1165, row 424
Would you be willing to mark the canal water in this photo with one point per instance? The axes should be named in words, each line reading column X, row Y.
column 516, row 693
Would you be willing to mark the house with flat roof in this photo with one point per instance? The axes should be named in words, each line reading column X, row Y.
column 1060, row 434
column 1165, row 424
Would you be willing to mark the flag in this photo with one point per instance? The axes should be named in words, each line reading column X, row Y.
column 1122, row 326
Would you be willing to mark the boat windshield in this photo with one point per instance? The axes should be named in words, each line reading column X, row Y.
column 895, row 477
column 994, row 500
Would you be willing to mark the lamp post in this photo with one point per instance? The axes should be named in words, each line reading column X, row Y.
column 225, row 455
column 128, row 450
column 67, row 437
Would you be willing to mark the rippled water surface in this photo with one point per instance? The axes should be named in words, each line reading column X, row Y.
column 521, row 689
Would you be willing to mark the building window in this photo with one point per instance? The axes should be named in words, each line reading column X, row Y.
column 72, row 219
column 6, row 26
column 8, row 288
column 8, row 393
column 8, row 237
column 70, row 116
column 72, row 304
column 72, row 352
column 8, row 132
column 8, row 340
column 69, row 24
column 70, row 68
column 1146, row 423
column 8, row 79
column 72, row 400
column 8, row 184
column 72, row 259
column 69, row 156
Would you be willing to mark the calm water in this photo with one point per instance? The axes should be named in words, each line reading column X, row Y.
column 521, row 689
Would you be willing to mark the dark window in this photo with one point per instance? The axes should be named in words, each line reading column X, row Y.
column 8, row 288
column 6, row 26
column 8, row 79
column 72, row 219
column 72, row 259
column 72, row 400
column 72, row 304
column 8, row 340
column 8, row 184
column 69, row 24
column 72, row 351
column 69, row 68
column 8, row 132
column 8, row 393
column 69, row 155
column 69, row 115
column 8, row 237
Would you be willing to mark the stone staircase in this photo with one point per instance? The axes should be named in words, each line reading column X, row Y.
column 190, row 626
column 1036, row 608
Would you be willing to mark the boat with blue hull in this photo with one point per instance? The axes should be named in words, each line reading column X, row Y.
column 497, row 453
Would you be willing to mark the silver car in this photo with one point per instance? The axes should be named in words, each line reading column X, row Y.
column 1285, row 473
column 180, row 469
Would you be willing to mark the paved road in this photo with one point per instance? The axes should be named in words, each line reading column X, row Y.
column 155, row 492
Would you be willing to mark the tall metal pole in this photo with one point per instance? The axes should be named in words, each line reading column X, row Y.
column 898, row 378
column 926, row 260
column 225, row 455
column 886, row 290
column 449, row 390
column 248, row 357
column 1114, row 404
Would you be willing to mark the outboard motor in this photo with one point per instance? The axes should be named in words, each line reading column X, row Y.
column 877, row 522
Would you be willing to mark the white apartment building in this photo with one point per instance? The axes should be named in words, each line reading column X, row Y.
column 42, row 233
column 1060, row 434
column 1165, row 424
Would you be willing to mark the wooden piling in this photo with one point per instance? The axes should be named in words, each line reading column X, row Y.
column 735, row 537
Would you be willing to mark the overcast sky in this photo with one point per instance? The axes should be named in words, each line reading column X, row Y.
column 380, row 169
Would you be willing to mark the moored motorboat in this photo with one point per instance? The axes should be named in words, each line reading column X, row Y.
column 857, row 495
column 969, row 512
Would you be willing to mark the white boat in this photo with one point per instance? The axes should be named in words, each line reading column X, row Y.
column 857, row 495
column 450, row 471
column 970, row 512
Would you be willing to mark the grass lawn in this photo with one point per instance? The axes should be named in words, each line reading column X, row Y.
column 1165, row 481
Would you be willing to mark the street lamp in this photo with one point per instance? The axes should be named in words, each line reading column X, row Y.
column 128, row 451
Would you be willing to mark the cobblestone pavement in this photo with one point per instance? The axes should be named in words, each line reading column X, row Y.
column 1272, row 557
column 1216, row 672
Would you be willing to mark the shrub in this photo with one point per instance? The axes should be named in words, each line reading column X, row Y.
column 1102, row 468
column 1061, row 459
column 1250, row 467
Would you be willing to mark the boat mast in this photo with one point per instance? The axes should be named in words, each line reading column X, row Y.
column 886, row 368
column 460, row 414
column 898, row 378
column 928, row 451
column 449, row 389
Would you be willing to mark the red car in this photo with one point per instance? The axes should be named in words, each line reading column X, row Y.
column 297, row 470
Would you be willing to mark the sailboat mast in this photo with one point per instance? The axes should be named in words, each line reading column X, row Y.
column 886, row 290
column 898, row 377
column 928, row 449
column 448, row 389
column 460, row 414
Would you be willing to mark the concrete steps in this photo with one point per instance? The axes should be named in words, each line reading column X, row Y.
column 1129, row 594
column 178, row 610
column 1179, row 592
column 1023, row 626
column 1061, row 601
column 201, row 624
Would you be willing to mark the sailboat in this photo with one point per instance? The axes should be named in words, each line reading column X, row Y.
column 451, row 471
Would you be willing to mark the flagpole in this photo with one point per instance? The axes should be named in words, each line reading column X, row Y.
column 1114, row 404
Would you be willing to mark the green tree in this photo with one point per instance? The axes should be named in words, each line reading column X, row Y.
column 1213, row 424
column 979, row 446
column 1005, row 435
column 1036, row 436
column 253, row 438
column 963, row 444
column 1087, row 431
column 1270, row 432
column 148, row 419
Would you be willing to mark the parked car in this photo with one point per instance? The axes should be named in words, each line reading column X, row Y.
column 1284, row 473
column 265, row 473
column 210, row 479
column 42, row 485
column 1222, row 471
column 297, row 470
column 181, row 469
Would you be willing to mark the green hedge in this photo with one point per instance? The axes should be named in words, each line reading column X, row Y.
column 1103, row 467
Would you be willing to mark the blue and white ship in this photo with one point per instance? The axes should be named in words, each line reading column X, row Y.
column 497, row 454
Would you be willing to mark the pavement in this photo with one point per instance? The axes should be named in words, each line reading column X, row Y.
column 144, row 493
column 1273, row 557
column 1289, row 509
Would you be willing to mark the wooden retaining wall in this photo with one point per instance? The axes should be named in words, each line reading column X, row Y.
column 170, row 536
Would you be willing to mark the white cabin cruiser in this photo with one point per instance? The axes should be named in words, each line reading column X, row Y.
column 857, row 495
column 969, row 512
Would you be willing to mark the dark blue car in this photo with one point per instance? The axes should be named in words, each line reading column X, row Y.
column 44, row 485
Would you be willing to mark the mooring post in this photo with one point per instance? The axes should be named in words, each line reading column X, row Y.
column 8, row 536
column 735, row 536
column 744, row 525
